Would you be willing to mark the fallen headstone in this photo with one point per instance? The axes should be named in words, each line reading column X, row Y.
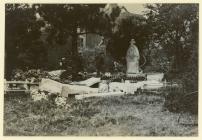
column 75, row 89
column 89, row 82
column 51, row 86
column 54, row 87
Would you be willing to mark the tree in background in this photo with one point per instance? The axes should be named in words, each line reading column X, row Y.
column 72, row 20
column 174, row 27
column 25, row 48
column 22, row 33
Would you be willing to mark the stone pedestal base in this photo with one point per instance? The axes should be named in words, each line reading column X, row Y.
column 136, row 76
column 133, row 74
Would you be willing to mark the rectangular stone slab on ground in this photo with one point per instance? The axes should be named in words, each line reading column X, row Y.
column 153, row 84
column 89, row 82
column 79, row 97
column 75, row 89
column 50, row 86
column 136, row 75
column 155, row 76
column 128, row 88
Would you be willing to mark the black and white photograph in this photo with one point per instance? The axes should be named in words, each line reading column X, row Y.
column 101, row 69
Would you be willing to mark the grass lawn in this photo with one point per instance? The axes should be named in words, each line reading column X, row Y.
column 129, row 115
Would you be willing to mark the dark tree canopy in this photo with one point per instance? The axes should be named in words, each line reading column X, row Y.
column 175, row 28
column 66, row 19
column 127, row 26
column 22, row 30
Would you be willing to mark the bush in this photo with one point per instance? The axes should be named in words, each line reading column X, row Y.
column 186, row 99
column 177, row 100
column 35, row 74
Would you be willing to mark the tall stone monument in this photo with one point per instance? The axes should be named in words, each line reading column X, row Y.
column 132, row 58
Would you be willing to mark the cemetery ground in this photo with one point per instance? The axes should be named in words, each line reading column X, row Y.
column 128, row 115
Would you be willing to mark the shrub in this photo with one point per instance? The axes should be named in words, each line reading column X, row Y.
column 177, row 100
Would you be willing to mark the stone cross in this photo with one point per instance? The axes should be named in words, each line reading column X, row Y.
column 132, row 58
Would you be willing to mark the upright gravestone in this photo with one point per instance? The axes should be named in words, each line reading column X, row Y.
column 132, row 58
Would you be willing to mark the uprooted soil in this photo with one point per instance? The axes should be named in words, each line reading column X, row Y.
column 129, row 115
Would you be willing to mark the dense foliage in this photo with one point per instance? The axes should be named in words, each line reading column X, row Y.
column 127, row 26
column 23, row 47
column 174, row 27
column 71, row 20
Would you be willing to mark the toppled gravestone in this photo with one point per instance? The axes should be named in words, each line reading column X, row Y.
column 64, row 90
column 50, row 86
column 89, row 82
column 75, row 89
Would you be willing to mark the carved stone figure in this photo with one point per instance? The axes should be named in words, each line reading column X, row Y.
column 132, row 58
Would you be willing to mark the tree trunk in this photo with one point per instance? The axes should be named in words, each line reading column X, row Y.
column 178, row 56
column 74, row 43
column 74, row 49
column 178, row 52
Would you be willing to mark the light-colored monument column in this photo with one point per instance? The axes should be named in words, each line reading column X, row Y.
column 132, row 58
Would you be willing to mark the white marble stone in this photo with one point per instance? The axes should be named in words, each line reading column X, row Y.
column 132, row 58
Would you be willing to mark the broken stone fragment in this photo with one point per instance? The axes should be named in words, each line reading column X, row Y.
column 50, row 86
column 75, row 90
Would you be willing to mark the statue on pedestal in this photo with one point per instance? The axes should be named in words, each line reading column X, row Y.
column 132, row 58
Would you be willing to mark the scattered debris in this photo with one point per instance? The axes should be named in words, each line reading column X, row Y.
column 82, row 89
